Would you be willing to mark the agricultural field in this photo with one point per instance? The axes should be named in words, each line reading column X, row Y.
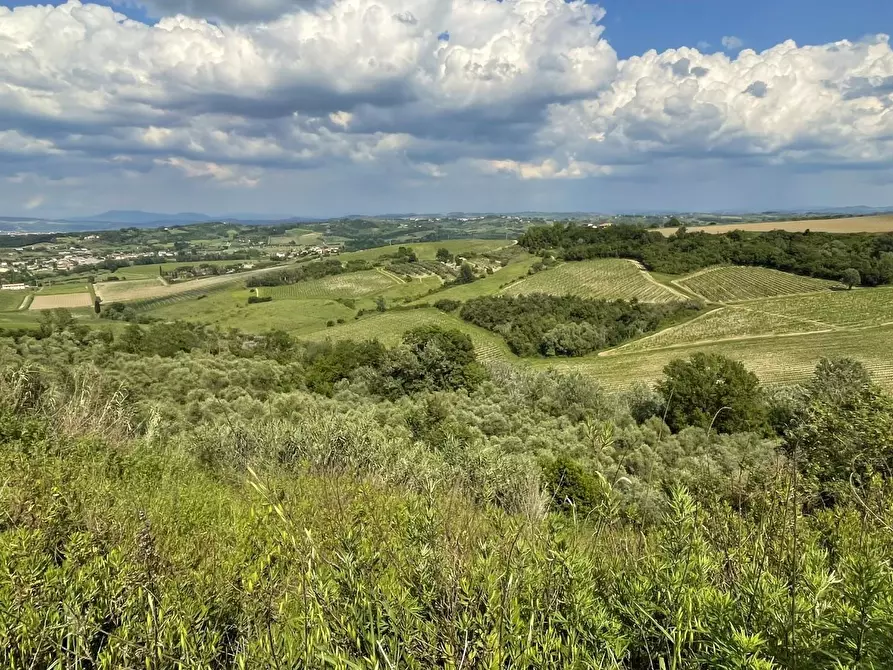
column 856, row 224
column 300, row 237
column 10, row 301
column 64, row 288
column 231, row 309
column 151, row 271
column 347, row 285
column 845, row 309
column 390, row 326
column 61, row 300
column 490, row 285
column 733, row 284
column 724, row 323
column 121, row 291
column 776, row 360
column 609, row 279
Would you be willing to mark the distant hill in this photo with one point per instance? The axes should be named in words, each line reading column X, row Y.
column 139, row 218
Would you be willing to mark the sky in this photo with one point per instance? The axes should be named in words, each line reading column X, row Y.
column 331, row 107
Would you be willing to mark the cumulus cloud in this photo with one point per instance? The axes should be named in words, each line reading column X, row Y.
column 732, row 43
column 522, row 89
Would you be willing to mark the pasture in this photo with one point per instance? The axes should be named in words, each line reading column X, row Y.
column 61, row 300
column 882, row 223
column 608, row 279
column 733, row 284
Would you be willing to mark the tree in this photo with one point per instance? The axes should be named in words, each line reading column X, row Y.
column 851, row 278
column 97, row 305
column 673, row 223
column 444, row 255
column 710, row 390
column 466, row 274
column 380, row 304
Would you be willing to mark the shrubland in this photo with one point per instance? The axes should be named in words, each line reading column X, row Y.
column 209, row 498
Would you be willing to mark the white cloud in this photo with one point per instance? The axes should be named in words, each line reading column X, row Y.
column 732, row 43
column 525, row 89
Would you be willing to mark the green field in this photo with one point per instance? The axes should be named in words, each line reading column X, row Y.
column 734, row 284
column 65, row 288
column 150, row 271
column 348, row 285
column 490, row 285
column 11, row 300
column 608, row 279
column 389, row 328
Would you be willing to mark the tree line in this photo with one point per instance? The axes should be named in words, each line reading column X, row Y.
column 814, row 254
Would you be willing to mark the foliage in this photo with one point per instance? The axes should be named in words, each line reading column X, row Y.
column 825, row 255
column 712, row 391
column 297, row 273
column 545, row 325
column 255, row 299
column 851, row 278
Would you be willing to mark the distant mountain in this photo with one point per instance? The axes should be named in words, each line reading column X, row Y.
column 138, row 218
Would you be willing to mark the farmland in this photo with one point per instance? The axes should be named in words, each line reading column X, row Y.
column 859, row 307
column 428, row 250
column 61, row 300
column 856, row 224
column 608, row 279
column 732, row 284
column 12, row 300
column 349, row 285
column 776, row 360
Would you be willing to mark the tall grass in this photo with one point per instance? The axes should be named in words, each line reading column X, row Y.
column 118, row 552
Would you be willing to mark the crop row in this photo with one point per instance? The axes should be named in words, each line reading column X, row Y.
column 608, row 279
column 732, row 284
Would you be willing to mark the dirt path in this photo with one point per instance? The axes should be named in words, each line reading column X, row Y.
column 390, row 275
column 651, row 279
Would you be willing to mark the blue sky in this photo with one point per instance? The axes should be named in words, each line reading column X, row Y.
column 326, row 107
column 634, row 26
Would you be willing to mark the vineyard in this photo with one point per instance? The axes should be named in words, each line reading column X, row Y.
column 608, row 279
column 120, row 291
column 349, row 285
column 734, row 284
column 776, row 360
column 724, row 323
column 859, row 307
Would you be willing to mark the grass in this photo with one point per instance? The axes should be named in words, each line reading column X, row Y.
column 857, row 224
column 490, row 285
column 64, row 288
column 231, row 309
column 10, row 301
column 348, row 285
column 390, row 326
column 732, row 284
column 608, row 279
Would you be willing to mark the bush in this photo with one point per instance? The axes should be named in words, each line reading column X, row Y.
column 253, row 299
column 712, row 391
column 447, row 305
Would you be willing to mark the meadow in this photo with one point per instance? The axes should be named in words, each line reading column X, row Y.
column 608, row 279
column 43, row 301
column 12, row 300
column 348, row 285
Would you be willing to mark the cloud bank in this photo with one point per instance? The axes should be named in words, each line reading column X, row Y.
column 526, row 90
